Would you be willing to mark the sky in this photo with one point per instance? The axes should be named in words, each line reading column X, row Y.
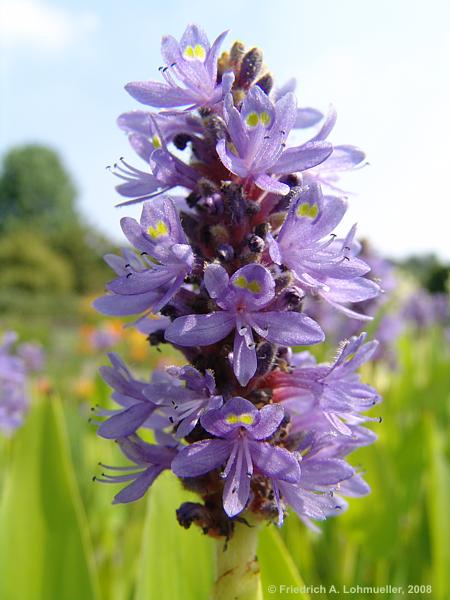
column 384, row 65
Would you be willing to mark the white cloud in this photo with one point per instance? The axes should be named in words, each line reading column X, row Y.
column 33, row 24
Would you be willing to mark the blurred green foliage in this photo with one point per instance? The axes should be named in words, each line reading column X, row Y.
column 45, row 245
column 429, row 271
column 35, row 189
column 29, row 264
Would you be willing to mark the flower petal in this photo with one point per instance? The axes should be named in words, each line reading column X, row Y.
column 200, row 330
column 300, row 158
column 277, row 463
column 270, row 419
column 288, row 328
column 140, row 485
column 237, row 486
column 126, row 422
column 201, row 457
column 244, row 359
column 158, row 94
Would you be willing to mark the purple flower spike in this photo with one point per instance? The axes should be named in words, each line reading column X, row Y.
column 258, row 135
column 194, row 63
column 150, row 461
column 233, row 289
column 243, row 300
column 149, row 282
column 240, row 429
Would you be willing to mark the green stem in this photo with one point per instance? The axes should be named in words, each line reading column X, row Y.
column 238, row 573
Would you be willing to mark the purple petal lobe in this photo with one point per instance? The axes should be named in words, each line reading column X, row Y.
column 277, row 463
column 200, row 330
column 288, row 328
column 201, row 457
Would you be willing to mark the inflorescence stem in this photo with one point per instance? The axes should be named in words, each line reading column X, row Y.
column 237, row 567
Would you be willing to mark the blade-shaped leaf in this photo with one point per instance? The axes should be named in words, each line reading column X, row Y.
column 438, row 510
column 174, row 563
column 45, row 552
column 278, row 567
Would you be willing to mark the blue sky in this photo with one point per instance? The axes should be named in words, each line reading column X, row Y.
column 384, row 65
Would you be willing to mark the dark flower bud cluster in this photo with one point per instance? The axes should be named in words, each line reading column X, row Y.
column 222, row 274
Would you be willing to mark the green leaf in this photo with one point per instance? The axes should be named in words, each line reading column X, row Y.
column 45, row 551
column 438, row 510
column 278, row 567
column 174, row 563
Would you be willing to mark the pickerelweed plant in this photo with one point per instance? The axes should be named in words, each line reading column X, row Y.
column 222, row 273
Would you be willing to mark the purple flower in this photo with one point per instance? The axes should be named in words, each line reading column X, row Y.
column 334, row 390
column 192, row 401
column 139, row 400
column 243, row 300
column 147, row 283
column 323, row 473
column 150, row 461
column 423, row 309
column 33, row 356
column 193, row 62
column 325, row 267
column 148, row 132
column 13, row 395
column 167, row 172
column 344, row 158
column 258, row 135
column 239, row 428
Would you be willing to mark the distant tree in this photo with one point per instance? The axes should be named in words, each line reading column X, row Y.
column 38, row 195
column 429, row 270
column 35, row 188
column 28, row 264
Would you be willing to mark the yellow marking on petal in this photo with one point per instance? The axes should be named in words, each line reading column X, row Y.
column 156, row 141
column 307, row 210
column 245, row 419
column 196, row 53
column 265, row 118
column 244, row 284
column 189, row 52
column 252, row 119
column 349, row 357
column 200, row 52
column 159, row 230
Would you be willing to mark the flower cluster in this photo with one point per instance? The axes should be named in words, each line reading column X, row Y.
column 15, row 364
column 224, row 274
